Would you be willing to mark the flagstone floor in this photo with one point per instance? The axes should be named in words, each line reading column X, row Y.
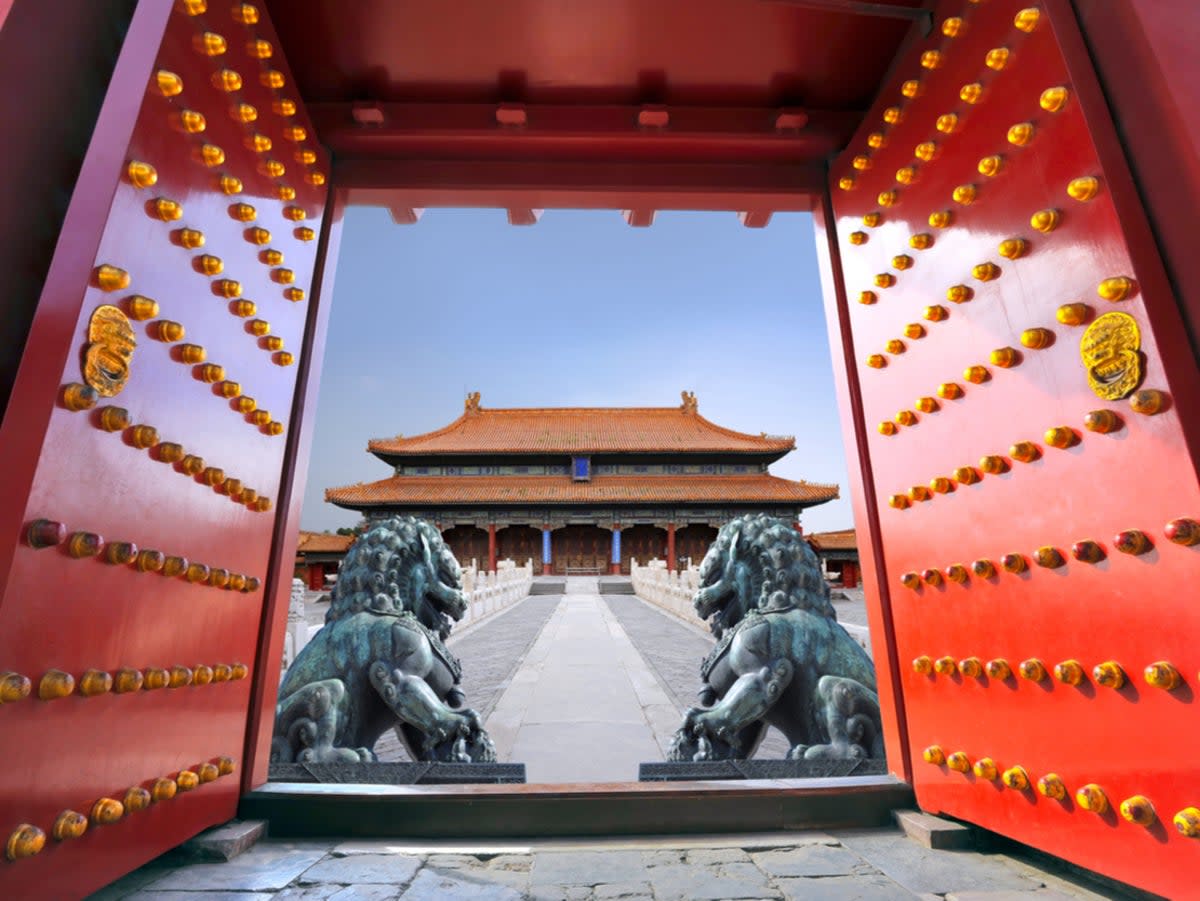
column 583, row 687
column 867, row 865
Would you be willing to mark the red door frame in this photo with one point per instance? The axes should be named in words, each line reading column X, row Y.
column 278, row 587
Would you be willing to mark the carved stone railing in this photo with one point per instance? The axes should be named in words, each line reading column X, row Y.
column 487, row 594
column 673, row 593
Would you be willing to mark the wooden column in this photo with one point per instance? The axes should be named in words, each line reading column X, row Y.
column 670, row 547
column 491, row 547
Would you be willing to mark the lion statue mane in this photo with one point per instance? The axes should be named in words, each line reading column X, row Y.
column 781, row 657
column 379, row 661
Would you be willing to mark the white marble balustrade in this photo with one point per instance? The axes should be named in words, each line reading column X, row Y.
column 673, row 591
column 487, row 594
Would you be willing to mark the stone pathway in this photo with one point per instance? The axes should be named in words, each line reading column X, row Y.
column 583, row 706
column 565, row 644
column 866, row 865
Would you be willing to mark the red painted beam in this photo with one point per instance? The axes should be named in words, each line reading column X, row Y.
column 755, row 218
column 575, row 132
column 523, row 185
column 406, row 215
column 642, row 218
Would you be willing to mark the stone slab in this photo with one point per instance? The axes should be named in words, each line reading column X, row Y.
column 921, row 869
column 261, row 869
column 424, row 773
column 933, row 831
column 625, row 891
column 199, row 896
column 365, row 893
column 225, row 842
column 810, row 861
column 686, row 882
column 449, row 885
column 359, row 869
column 586, row 752
column 587, row 867
column 758, row 769
column 308, row 892
column 874, row 887
column 1036, row 895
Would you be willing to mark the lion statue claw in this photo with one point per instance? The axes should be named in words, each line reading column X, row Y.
column 379, row 661
column 781, row 658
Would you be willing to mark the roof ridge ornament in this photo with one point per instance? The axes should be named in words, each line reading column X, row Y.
column 690, row 404
column 472, row 403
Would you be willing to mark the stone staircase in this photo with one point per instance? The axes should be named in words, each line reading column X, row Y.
column 543, row 585
column 616, row 585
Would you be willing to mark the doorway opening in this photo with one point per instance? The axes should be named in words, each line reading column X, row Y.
column 578, row 311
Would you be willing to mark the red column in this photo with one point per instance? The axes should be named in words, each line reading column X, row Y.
column 670, row 547
column 316, row 576
column 491, row 547
column 849, row 575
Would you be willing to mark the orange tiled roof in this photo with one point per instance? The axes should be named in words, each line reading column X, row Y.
column 843, row 540
column 592, row 430
column 526, row 490
column 321, row 543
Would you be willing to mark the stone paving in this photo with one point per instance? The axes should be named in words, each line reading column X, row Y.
column 494, row 650
column 863, row 864
column 583, row 706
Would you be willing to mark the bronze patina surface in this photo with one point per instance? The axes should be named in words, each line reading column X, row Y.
column 379, row 662
column 781, row 657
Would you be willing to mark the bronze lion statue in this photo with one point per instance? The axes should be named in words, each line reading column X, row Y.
column 781, row 658
column 379, row 661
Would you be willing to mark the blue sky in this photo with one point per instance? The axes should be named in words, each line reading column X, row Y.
column 578, row 310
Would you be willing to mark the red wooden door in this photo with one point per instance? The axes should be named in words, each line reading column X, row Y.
column 1023, row 399
column 144, row 450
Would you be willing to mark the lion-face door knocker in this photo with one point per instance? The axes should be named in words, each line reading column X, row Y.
column 109, row 352
column 1110, row 349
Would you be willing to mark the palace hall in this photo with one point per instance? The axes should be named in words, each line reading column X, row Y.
column 583, row 490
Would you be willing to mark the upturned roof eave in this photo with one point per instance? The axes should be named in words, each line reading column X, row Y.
column 751, row 444
column 768, row 455
column 362, row 506
column 832, row 492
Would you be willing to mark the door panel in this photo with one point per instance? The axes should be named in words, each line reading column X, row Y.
column 974, row 322
column 149, row 509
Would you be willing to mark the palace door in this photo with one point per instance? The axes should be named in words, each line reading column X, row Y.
column 144, row 451
column 581, row 549
column 1023, row 401
column 518, row 544
column 692, row 543
column 642, row 543
column 468, row 543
